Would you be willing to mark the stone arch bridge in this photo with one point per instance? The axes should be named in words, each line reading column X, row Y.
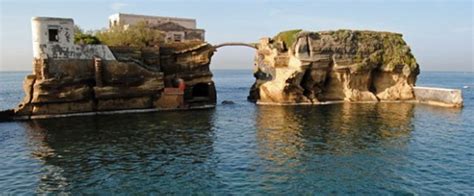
column 251, row 45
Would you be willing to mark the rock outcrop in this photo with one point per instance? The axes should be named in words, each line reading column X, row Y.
column 313, row 67
column 139, row 78
column 294, row 67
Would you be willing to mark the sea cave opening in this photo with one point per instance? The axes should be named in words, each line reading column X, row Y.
column 201, row 90
column 232, row 69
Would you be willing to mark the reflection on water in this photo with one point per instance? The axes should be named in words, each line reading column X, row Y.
column 335, row 129
column 162, row 152
column 129, row 151
column 322, row 146
column 377, row 149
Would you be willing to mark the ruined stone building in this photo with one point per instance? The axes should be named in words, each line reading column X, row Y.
column 88, row 79
column 176, row 29
column 293, row 67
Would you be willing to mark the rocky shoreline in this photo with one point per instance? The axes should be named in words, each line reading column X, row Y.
column 293, row 68
column 344, row 65
column 140, row 79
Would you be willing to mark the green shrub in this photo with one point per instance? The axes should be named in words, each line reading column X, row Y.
column 84, row 38
column 138, row 35
column 287, row 37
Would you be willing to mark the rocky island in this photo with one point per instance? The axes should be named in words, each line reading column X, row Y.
column 344, row 65
column 293, row 67
column 71, row 78
column 301, row 67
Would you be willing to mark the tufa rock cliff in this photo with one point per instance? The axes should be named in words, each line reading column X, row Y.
column 312, row 67
column 139, row 78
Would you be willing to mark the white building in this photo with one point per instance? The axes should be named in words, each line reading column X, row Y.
column 176, row 29
column 54, row 38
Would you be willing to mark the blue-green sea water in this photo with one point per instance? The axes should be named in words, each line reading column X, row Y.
column 380, row 149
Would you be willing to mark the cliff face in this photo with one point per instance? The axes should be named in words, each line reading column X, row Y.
column 139, row 78
column 293, row 67
column 344, row 65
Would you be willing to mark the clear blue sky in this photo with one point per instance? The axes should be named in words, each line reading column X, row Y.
column 440, row 33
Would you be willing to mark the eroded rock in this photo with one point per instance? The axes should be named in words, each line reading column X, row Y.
column 227, row 102
column 140, row 78
column 344, row 65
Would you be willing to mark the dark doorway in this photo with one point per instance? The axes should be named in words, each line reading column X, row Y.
column 201, row 90
column 53, row 35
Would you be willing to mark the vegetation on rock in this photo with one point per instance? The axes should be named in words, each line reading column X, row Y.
column 366, row 50
column 345, row 65
column 397, row 53
column 139, row 35
column 287, row 37
column 177, row 46
column 84, row 38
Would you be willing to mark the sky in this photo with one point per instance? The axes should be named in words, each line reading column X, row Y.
column 440, row 33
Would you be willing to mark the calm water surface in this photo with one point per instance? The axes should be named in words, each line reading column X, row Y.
column 244, row 148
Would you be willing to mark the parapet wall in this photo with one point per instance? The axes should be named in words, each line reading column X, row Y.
column 439, row 96
column 54, row 38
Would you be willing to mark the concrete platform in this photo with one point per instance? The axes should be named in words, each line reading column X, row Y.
column 439, row 96
column 108, row 112
column 426, row 95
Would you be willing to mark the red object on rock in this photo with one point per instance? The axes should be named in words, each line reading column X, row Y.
column 181, row 85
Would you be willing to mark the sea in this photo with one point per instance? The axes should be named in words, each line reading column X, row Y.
column 245, row 149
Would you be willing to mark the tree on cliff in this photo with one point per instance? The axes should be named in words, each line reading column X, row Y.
column 138, row 35
column 84, row 38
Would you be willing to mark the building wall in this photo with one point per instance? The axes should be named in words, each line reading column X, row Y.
column 174, row 36
column 54, row 38
column 130, row 19
column 41, row 39
column 179, row 36
column 194, row 34
column 176, row 29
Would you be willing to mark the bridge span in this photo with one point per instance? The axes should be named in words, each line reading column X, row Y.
column 251, row 45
